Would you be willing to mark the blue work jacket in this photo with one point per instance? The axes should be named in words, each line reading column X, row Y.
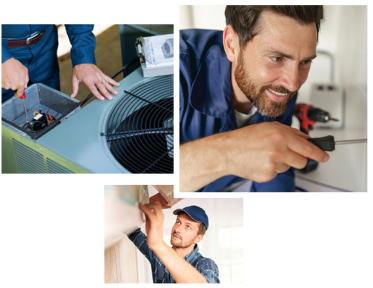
column 81, row 38
column 41, row 59
column 206, row 106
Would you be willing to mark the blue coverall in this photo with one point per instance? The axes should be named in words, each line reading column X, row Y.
column 206, row 106
column 41, row 59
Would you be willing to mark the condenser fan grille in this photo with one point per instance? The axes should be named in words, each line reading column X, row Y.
column 139, row 129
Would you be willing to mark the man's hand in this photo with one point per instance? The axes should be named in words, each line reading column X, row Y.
column 14, row 76
column 159, row 198
column 257, row 152
column 154, row 224
column 93, row 78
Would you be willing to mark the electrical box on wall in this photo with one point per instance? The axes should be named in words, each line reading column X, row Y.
column 330, row 98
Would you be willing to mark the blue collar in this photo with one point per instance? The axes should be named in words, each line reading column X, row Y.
column 192, row 255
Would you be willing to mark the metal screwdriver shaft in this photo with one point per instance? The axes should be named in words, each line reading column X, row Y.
column 351, row 141
column 327, row 143
column 24, row 106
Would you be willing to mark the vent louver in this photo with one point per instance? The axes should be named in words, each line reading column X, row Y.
column 55, row 168
column 28, row 160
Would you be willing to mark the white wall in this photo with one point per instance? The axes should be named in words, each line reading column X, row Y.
column 202, row 17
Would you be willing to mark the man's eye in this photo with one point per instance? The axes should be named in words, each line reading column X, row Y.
column 307, row 62
column 188, row 227
column 276, row 59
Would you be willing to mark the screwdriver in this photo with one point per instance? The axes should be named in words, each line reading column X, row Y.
column 327, row 143
column 24, row 106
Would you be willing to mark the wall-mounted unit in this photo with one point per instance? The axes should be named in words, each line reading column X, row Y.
column 133, row 133
column 122, row 214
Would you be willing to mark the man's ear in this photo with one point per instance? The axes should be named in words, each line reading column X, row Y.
column 198, row 238
column 230, row 42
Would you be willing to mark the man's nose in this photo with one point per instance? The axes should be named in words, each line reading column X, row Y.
column 177, row 229
column 290, row 79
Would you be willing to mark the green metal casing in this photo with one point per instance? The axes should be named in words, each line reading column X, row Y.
column 39, row 155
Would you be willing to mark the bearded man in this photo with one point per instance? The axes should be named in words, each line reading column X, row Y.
column 238, row 89
column 181, row 263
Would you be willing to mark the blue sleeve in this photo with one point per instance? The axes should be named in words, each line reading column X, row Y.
column 5, row 52
column 210, row 271
column 83, row 44
column 185, row 80
column 141, row 242
column 283, row 182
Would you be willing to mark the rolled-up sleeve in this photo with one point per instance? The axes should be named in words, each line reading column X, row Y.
column 83, row 43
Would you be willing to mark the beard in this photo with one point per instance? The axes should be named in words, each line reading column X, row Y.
column 178, row 243
column 256, row 93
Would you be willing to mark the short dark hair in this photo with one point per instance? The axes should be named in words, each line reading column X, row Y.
column 201, row 228
column 243, row 18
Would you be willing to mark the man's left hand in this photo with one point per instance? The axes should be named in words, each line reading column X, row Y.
column 94, row 79
column 154, row 224
column 158, row 197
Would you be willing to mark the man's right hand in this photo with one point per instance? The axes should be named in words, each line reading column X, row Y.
column 14, row 76
column 154, row 224
column 257, row 152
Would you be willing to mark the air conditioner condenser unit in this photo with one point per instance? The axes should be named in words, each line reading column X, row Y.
column 133, row 133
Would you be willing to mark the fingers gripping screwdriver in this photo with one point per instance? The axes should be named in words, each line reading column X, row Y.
column 327, row 143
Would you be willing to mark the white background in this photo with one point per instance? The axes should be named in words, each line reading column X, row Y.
column 52, row 225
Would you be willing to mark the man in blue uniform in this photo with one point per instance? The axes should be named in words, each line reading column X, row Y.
column 243, row 81
column 182, row 263
column 29, row 55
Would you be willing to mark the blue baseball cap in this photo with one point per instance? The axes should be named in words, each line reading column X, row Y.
column 196, row 213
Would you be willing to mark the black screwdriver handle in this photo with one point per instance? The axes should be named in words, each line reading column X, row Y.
column 325, row 143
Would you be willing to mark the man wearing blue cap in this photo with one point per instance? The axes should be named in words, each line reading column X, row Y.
column 182, row 263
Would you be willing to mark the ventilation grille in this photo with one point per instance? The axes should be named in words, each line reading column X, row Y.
column 139, row 129
column 55, row 168
column 28, row 161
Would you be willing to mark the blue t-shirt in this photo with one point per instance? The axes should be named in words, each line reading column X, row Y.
column 206, row 106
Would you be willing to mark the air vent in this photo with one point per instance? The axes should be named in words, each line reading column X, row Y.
column 55, row 168
column 28, row 160
column 139, row 130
